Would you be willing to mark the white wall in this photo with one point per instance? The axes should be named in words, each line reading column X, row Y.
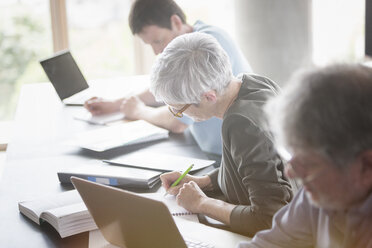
column 275, row 35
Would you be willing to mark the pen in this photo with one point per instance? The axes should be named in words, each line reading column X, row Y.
column 180, row 178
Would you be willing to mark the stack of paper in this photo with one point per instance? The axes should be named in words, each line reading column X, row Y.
column 123, row 134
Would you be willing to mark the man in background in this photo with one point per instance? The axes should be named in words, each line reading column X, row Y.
column 157, row 22
column 324, row 120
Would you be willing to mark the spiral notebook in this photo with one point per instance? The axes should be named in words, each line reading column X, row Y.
column 174, row 209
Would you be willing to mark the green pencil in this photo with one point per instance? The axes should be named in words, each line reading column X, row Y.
column 175, row 183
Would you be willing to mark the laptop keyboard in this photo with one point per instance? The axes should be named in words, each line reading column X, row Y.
column 197, row 244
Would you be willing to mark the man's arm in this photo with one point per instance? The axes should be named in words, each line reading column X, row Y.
column 100, row 106
column 148, row 98
column 257, row 176
column 133, row 108
column 291, row 227
column 192, row 198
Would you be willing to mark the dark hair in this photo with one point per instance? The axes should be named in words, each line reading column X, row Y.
column 153, row 12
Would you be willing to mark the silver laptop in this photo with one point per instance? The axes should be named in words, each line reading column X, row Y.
column 66, row 78
column 129, row 220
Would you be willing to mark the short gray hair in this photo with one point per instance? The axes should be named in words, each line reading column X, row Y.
column 190, row 65
column 328, row 110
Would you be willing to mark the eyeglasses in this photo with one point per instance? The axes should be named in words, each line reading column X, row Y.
column 304, row 179
column 178, row 113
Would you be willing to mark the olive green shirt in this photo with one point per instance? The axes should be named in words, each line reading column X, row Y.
column 251, row 173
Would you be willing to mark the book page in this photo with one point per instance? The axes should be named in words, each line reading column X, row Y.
column 34, row 208
column 70, row 219
column 69, row 212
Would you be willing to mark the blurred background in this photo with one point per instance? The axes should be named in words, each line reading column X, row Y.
column 276, row 36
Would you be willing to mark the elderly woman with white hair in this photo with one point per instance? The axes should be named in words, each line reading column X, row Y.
column 193, row 76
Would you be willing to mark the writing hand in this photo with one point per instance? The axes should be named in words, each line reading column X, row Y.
column 191, row 197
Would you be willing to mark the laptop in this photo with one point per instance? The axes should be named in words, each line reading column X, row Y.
column 66, row 78
column 129, row 220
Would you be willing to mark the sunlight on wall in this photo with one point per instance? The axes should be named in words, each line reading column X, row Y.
column 338, row 31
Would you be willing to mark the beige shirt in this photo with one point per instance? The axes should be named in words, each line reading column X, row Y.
column 251, row 173
column 303, row 225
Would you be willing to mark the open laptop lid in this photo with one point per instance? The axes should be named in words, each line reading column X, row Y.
column 64, row 74
column 129, row 220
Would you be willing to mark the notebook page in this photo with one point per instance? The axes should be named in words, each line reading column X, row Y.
column 174, row 208
column 170, row 202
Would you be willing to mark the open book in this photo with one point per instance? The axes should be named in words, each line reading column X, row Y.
column 123, row 134
column 67, row 213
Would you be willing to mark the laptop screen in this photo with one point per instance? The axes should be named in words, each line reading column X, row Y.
column 368, row 28
column 64, row 74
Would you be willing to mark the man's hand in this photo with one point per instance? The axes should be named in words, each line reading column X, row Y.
column 168, row 178
column 132, row 108
column 191, row 197
column 100, row 106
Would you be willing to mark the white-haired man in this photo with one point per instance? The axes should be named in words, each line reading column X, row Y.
column 193, row 76
column 324, row 120
column 157, row 22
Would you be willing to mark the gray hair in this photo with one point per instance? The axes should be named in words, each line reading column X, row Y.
column 328, row 110
column 190, row 65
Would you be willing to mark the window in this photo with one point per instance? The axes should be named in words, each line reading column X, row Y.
column 25, row 37
column 222, row 15
column 102, row 44
column 100, row 38
column 338, row 31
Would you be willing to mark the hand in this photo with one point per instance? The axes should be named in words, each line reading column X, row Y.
column 132, row 108
column 191, row 197
column 100, row 106
column 168, row 178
